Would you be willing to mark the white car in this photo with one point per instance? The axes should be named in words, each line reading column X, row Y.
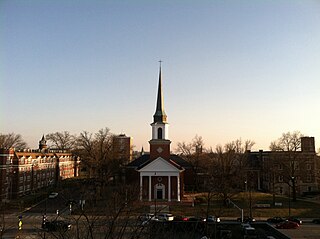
column 53, row 195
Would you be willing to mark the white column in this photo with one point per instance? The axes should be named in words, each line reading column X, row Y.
column 178, row 185
column 169, row 188
column 149, row 188
column 259, row 183
column 140, row 187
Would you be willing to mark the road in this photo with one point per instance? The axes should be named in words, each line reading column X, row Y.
column 305, row 231
column 32, row 220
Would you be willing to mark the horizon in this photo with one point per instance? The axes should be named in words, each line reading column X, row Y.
column 231, row 69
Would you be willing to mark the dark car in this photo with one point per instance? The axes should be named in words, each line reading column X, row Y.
column 196, row 219
column 246, row 219
column 249, row 233
column 287, row 225
column 276, row 219
column 316, row 220
column 294, row 219
column 179, row 218
column 211, row 218
column 57, row 225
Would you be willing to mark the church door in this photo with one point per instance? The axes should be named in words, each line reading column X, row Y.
column 159, row 191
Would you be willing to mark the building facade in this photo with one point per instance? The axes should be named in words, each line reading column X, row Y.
column 280, row 171
column 22, row 172
column 122, row 148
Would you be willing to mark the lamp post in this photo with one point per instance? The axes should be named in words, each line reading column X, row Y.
column 32, row 176
column 289, row 202
column 292, row 180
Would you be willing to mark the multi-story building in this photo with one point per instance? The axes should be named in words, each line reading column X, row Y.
column 122, row 148
column 279, row 171
column 27, row 170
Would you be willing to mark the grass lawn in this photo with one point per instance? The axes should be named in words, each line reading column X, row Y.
column 301, row 208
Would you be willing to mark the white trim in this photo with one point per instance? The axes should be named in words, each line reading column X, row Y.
column 178, row 185
column 160, row 166
column 141, row 187
column 150, row 188
column 169, row 188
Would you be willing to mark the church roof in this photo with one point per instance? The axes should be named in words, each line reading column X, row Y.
column 143, row 160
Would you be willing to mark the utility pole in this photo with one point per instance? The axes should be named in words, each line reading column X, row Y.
column 236, row 206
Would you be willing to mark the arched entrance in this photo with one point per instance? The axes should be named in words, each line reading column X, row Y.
column 159, row 191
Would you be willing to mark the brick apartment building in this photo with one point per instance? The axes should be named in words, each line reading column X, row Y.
column 274, row 171
column 24, row 171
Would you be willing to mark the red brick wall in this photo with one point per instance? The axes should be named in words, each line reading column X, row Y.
column 174, row 193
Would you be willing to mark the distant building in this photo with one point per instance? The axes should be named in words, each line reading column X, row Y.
column 24, row 171
column 275, row 170
column 159, row 174
column 122, row 148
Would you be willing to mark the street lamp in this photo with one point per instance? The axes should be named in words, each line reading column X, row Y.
column 292, row 179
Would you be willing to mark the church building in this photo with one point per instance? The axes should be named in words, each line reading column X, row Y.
column 160, row 174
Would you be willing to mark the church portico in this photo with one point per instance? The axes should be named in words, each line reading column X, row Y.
column 160, row 186
column 160, row 179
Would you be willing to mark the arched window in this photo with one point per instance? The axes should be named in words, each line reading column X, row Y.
column 159, row 133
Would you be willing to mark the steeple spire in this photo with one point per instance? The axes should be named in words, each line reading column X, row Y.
column 160, row 116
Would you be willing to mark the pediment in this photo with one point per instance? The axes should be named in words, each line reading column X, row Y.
column 159, row 165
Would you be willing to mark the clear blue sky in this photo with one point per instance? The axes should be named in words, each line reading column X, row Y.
column 231, row 69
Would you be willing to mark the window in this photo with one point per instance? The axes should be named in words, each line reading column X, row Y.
column 308, row 178
column 280, row 166
column 280, row 179
column 159, row 133
column 308, row 167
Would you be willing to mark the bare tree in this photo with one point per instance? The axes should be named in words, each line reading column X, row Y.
column 226, row 169
column 194, row 154
column 12, row 140
column 61, row 140
column 286, row 153
column 96, row 153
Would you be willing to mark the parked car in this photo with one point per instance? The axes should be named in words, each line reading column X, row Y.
column 196, row 219
column 211, row 218
column 287, row 225
column 53, row 195
column 180, row 218
column 165, row 217
column 146, row 216
column 294, row 219
column 276, row 219
column 249, row 233
column 316, row 220
column 57, row 225
column 246, row 219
